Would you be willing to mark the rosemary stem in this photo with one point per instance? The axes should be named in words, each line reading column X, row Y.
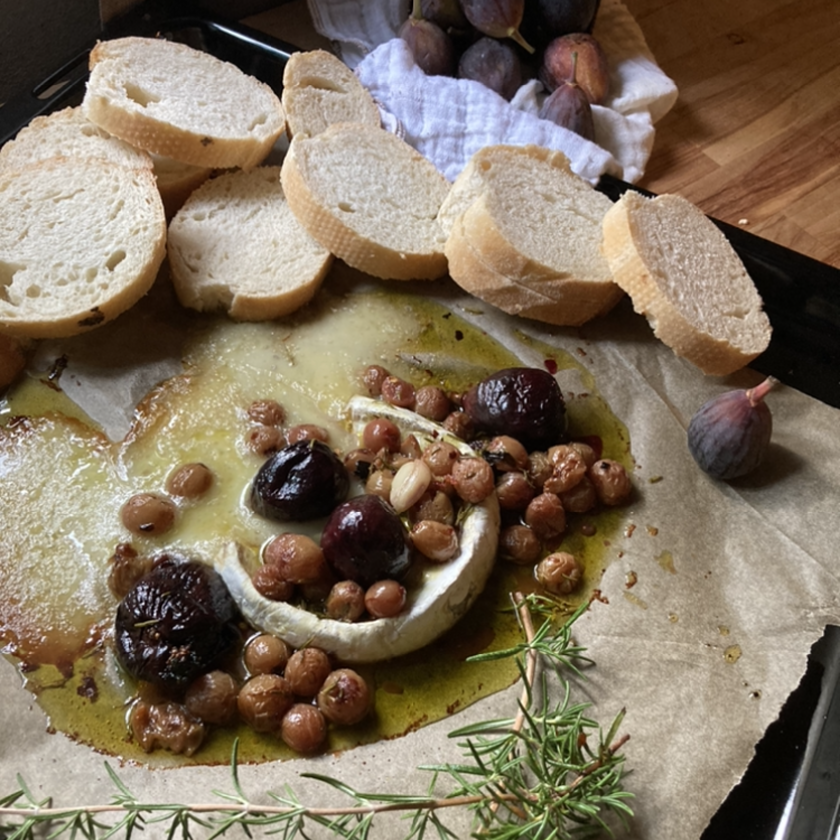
column 253, row 809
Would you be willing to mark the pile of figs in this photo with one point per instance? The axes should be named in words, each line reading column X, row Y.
column 503, row 43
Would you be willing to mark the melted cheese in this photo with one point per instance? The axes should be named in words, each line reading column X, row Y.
column 62, row 484
column 436, row 601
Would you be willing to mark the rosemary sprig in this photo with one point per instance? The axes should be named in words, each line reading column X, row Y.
column 548, row 772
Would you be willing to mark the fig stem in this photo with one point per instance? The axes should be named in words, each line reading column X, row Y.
column 757, row 394
column 515, row 35
column 417, row 10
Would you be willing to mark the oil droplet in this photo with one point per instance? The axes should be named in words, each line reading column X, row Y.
column 673, row 618
column 666, row 560
column 631, row 579
column 652, row 530
column 723, row 630
column 732, row 654
column 635, row 600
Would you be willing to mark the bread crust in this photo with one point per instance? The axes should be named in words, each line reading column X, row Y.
column 129, row 99
column 68, row 133
column 714, row 355
column 552, row 299
column 337, row 233
column 491, row 257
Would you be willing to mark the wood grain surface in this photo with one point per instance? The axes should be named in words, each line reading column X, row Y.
column 755, row 133
column 754, row 138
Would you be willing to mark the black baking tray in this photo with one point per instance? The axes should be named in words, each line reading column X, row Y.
column 791, row 790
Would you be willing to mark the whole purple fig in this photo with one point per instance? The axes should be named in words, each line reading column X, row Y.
column 432, row 48
column 568, row 106
column 497, row 18
column 729, row 435
column 493, row 63
column 581, row 56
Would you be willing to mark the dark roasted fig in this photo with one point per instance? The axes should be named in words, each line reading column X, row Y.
column 493, row 63
column 174, row 623
column 729, row 435
column 497, row 18
column 304, row 480
column 525, row 403
column 431, row 46
column 365, row 541
column 545, row 20
column 578, row 56
column 568, row 106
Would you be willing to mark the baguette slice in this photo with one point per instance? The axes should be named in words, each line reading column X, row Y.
column 370, row 198
column 80, row 242
column 69, row 133
column 235, row 245
column 525, row 235
column 319, row 90
column 181, row 103
column 686, row 279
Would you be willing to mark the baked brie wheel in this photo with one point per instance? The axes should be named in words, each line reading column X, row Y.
column 440, row 595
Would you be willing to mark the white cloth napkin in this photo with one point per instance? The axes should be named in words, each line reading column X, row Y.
column 447, row 120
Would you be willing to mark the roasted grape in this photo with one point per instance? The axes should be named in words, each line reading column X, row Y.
column 344, row 697
column 301, row 481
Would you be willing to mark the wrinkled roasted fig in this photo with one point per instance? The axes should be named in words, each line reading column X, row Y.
column 497, row 18
column 577, row 56
column 301, row 481
column 568, row 106
column 493, row 63
column 525, row 403
column 365, row 541
column 432, row 48
column 174, row 623
column 729, row 435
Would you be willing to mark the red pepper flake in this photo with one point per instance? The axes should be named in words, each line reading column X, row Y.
column 550, row 366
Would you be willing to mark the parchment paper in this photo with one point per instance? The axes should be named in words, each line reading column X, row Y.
column 735, row 582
